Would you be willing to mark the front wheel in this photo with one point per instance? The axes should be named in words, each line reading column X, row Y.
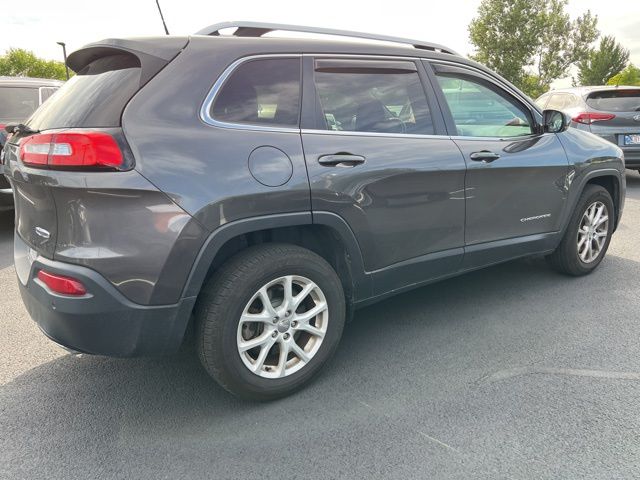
column 268, row 320
column 588, row 234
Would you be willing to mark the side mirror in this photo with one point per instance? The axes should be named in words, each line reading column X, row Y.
column 555, row 121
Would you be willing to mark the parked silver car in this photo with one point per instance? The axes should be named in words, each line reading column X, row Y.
column 610, row 112
column 19, row 98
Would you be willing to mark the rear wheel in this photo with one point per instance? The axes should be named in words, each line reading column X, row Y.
column 269, row 320
column 588, row 234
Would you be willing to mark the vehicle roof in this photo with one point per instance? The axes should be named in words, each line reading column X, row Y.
column 29, row 82
column 239, row 47
column 331, row 45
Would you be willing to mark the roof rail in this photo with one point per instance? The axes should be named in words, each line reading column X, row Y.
column 258, row 29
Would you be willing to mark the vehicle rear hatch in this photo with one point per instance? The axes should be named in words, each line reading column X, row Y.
column 616, row 116
column 85, row 113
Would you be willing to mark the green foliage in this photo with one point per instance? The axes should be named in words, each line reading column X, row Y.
column 533, row 86
column 531, row 42
column 22, row 63
column 629, row 76
column 602, row 63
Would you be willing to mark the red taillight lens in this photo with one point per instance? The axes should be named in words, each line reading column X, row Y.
column 71, row 149
column 588, row 118
column 61, row 284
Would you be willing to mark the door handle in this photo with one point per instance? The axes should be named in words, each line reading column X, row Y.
column 484, row 156
column 341, row 160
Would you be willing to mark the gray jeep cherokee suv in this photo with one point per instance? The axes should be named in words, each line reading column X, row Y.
column 267, row 187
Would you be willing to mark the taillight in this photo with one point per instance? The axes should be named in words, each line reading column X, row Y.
column 588, row 118
column 71, row 149
column 61, row 284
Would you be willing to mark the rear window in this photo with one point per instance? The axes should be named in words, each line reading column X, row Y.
column 17, row 103
column 615, row 100
column 95, row 97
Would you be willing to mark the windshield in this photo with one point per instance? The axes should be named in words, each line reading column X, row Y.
column 615, row 100
column 17, row 103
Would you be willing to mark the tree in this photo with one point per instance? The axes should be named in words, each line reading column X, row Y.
column 628, row 76
column 22, row 63
column 531, row 42
column 602, row 63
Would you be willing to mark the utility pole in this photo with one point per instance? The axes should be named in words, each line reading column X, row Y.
column 64, row 53
column 166, row 30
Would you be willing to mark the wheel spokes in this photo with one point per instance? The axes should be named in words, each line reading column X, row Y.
column 263, row 341
column 310, row 314
column 304, row 293
column 593, row 232
column 282, row 360
column 299, row 352
column 262, row 356
column 274, row 340
column 266, row 302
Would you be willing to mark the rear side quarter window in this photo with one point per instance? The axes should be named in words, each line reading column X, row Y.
column 264, row 92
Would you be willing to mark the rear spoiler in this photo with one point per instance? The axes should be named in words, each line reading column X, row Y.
column 153, row 53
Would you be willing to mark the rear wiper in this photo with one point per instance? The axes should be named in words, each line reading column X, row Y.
column 19, row 128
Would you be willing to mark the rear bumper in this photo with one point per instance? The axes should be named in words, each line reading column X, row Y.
column 631, row 153
column 102, row 322
column 631, row 158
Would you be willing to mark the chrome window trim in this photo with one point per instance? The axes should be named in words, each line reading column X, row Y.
column 519, row 138
column 205, row 109
column 210, row 98
column 350, row 133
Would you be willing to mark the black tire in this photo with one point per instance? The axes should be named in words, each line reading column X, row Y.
column 565, row 258
column 224, row 298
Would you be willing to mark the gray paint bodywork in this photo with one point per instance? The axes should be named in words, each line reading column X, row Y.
column 416, row 211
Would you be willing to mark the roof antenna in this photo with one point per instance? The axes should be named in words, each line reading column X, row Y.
column 166, row 30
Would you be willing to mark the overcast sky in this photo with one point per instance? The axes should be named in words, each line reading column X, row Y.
column 38, row 24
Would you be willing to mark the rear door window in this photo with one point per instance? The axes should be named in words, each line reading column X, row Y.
column 372, row 96
column 17, row 103
column 261, row 92
column 481, row 109
column 615, row 100
column 95, row 97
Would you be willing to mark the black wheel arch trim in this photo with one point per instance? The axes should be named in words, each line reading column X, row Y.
column 361, row 282
column 584, row 180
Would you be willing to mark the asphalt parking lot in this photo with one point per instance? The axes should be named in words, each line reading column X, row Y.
column 511, row 372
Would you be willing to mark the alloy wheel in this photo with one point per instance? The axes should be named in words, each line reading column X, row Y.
column 282, row 327
column 593, row 232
